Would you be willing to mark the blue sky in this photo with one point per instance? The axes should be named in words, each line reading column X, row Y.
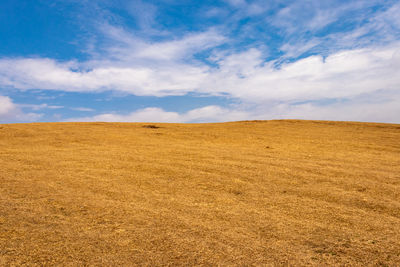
column 199, row 61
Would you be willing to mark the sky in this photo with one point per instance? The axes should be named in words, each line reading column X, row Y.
column 199, row 61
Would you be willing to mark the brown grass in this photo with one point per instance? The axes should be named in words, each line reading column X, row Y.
column 242, row 193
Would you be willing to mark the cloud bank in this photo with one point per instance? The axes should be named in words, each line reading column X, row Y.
column 346, row 76
column 244, row 75
column 154, row 114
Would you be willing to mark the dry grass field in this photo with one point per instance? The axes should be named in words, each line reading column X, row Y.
column 241, row 193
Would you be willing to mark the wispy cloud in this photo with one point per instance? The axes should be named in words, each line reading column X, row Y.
column 83, row 109
column 40, row 106
column 126, row 47
column 145, row 13
column 236, row 3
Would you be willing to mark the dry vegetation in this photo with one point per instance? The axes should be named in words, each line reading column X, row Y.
column 242, row 193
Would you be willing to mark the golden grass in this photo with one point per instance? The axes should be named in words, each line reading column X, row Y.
column 241, row 193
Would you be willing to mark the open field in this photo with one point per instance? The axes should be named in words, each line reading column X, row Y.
column 241, row 193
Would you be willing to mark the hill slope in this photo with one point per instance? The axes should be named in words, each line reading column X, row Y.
column 266, row 192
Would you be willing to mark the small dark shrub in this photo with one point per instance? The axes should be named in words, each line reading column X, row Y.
column 151, row 126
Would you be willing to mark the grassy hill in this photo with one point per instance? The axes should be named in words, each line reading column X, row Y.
column 240, row 193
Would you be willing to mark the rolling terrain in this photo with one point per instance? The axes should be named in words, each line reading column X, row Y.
column 239, row 193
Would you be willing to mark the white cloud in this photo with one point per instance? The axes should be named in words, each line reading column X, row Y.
column 10, row 112
column 378, row 106
column 302, row 24
column 126, row 47
column 83, row 109
column 40, row 106
column 245, row 76
column 129, row 65
column 144, row 115
column 144, row 13
column 387, row 23
column 242, row 75
column 236, row 3
column 215, row 114
column 6, row 106
column 294, row 50
column 344, row 74
column 313, row 15
column 51, row 75
column 383, row 109
column 153, row 114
